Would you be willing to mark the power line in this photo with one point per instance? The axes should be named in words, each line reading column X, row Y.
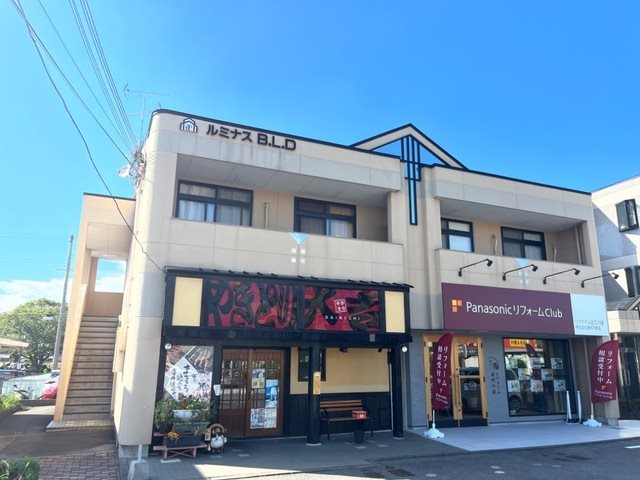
column 36, row 39
column 86, row 82
column 96, row 71
column 105, row 68
column 84, row 141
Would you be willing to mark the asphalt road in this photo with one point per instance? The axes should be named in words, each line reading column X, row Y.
column 618, row 460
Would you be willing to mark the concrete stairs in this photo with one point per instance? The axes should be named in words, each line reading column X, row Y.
column 91, row 382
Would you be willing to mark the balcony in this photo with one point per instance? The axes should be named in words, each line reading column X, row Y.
column 228, row 247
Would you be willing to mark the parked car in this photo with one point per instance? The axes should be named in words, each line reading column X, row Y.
column 6, row 373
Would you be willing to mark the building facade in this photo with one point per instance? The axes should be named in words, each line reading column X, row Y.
column 616, row 217
column 269, row 272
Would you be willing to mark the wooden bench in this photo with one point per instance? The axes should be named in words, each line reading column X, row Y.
column 341, row 411
column 171, row 452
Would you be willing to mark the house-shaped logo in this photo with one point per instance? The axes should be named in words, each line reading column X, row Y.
column 189, row 125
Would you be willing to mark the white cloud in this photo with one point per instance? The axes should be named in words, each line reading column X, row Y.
column 16, row 292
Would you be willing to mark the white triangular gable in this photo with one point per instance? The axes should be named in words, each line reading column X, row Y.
column 409, row 130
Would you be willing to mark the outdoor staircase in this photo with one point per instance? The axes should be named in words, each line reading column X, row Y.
column 91, row 382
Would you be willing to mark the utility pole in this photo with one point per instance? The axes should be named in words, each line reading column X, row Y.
column 61, row 318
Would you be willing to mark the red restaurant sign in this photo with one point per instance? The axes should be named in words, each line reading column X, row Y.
column 441, row 373
column 604, row 372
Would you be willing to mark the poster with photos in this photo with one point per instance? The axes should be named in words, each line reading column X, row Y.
column 270, row 417
column 537, row 386
column 557, row 363
column 547, row 374
column 271, row 398
column 257, row 418
column 513, row 386
column 188, row 372
column 257, row 378
column 559, row 385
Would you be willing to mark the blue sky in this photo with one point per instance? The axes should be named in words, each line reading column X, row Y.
column 544, row 91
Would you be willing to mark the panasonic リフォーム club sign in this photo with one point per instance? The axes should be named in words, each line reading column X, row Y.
column 472, row 307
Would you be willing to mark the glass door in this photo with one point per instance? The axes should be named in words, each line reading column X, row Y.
column 250, row 401
column 467, row 398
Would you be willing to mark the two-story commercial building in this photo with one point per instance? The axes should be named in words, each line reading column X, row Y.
column 618, row 230
column 269, row 272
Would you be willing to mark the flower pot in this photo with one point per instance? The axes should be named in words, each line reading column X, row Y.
column 183, row 415
column 184, row 441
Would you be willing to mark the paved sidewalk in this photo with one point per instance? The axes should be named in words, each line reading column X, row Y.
column 63, row 455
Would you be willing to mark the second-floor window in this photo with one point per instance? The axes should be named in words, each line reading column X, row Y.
column 325, row 218
column 627, row 215
column 523, row 244
column 212, row 203
column 456, row 235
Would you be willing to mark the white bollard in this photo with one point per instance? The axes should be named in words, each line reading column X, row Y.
column 579, row 402
column 568, row 420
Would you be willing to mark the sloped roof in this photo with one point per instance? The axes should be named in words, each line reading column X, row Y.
column 626, row 303
column 7, row 342
column 391, row 136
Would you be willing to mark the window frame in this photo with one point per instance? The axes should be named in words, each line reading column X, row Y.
column 216, row 201
column 522, row 242
column 447, row 232
column 299, row 213
column 630, row 215
column 303, row 367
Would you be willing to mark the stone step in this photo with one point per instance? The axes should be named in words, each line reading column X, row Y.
column 87, row 409
column 91, row 392
column 91, row 372
column 105, row 352
column 109, row 332
column 85, row 416
column 91, row 357
column 76, row 401
column 93, row 364
column 90, row 386
column 100, row 345
column 91, row 337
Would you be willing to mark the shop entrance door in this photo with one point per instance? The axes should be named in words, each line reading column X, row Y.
column 250, row 397
column 467, row 401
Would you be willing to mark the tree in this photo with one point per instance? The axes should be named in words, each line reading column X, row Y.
column 33, row 322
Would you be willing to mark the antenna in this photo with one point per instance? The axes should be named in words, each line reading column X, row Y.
column 144, row 96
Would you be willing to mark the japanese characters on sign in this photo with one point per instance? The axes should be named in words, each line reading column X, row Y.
column 441, row 373
column 604, row 368
column 240, row 134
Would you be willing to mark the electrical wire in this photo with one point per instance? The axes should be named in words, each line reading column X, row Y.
column 69, row 84
column 86, row 82
column 105, row 68
column 96, row 70
column 31, row 31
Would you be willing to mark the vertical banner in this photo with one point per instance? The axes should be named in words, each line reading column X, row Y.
column 604, row 372
column 441, row 373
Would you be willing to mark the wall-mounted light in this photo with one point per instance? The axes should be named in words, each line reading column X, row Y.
column 404, row 349
column 533, row 267
column 574, row 270
column 488, row 261
column 167, row 346
column 614, row 275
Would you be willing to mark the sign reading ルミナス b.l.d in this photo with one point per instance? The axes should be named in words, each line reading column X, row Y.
column 472, row 307
column 239, row 134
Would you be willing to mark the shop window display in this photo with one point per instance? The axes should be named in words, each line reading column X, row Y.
column 537, row 375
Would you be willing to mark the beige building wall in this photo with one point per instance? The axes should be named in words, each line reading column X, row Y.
column 354, row 371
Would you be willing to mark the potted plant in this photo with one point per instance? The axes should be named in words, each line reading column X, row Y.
column 191, row 416
column 163, row 414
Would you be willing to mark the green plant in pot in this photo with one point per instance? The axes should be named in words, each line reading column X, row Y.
column 163, row 414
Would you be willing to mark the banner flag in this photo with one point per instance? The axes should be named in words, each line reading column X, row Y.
column 441, row 373
column 604, row 372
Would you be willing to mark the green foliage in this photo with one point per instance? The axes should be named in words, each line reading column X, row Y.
column 33, row 322
column 9, row 401
column 163, row 412
column 21, row 469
